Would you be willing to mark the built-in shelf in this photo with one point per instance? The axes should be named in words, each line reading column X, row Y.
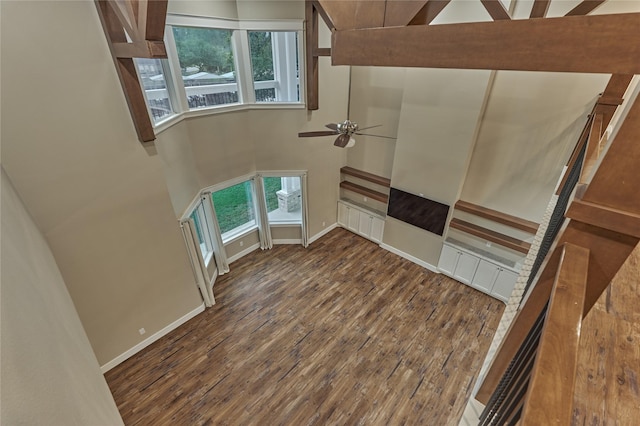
column 489, row 235
column 374, row 195
column 370, row 177
column 498, row 217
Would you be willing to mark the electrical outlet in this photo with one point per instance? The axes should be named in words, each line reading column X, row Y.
column 488, row 243
column 142, row 331
column 365, row 199
column 241, row 243
column 324, row 224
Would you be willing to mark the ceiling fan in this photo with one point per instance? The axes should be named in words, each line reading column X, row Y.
column 345, row 130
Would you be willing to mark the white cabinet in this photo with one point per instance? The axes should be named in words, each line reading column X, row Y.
column 364, row 227
column 353, row 219
column 448, row 260
column 505, row 281
column 485, row 276
column 360, row 221
column 466, row 268
column 474, row 270
column 377, row 228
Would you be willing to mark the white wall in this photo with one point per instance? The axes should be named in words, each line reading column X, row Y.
column 99, row 198
column 50, row 375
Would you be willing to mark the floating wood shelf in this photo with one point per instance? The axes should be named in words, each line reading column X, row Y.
column 498, row 217
column 374, row 195
column 369, row 177
column 489, row 235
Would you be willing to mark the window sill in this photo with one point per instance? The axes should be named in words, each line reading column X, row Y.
column 177, row 118
column 238, row 233
column 284, row 224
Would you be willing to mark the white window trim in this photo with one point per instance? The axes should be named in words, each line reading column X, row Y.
column 242, row 63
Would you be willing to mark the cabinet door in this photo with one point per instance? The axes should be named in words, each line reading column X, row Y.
column 354, row 219
column 466, row 268
column 377, row 229
column 343, row 215
column 448, row 260
column 364, row 227
column 504, row 284
column 485, row 276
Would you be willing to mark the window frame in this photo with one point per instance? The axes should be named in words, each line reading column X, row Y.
column 280, row 174
column 242, row 64
column 242, row 230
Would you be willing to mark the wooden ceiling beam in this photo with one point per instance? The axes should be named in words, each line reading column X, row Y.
column 496, row 9
column 585, row 7
column 588, row 44
column 540, row 8
column 352, row 14
column 429, row 12
column 402, row 12
column 143, row 22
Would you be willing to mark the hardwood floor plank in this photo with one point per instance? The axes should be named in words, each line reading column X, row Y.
column 342, row 332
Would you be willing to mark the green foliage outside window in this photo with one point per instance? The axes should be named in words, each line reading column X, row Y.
column 261, row 55
column 207, row 49
column 271, row 185
column 234, row 205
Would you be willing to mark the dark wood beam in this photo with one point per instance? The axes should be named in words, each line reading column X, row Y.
column 496, row 9
column 135, row 99
column 346, row 15
column 401, row 12
column 311, row 35
column 155, row 18
column 120, row 19
column 429, row 12
column 589, row 44
column 140, row 49
column 585, row 7
column 540, row 8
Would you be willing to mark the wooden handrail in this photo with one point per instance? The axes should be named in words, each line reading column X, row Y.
column 498, row 217
column 549, row 398
column 493, row 236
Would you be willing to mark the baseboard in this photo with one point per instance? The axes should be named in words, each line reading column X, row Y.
column 244, row 252
column 289, row 241
column 149, row 340
column 410, row 258
column 322, row 233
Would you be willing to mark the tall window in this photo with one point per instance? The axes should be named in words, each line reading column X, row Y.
column 207, row 66
column 203, row 230
column 284, row 199
column 274, row 64
column 214, row 64
column 152, row 76
column 235, row 209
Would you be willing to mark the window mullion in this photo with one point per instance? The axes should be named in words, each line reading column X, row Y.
column 243, row 58
column 176, row 72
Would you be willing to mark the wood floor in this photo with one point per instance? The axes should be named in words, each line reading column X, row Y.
column 342, row 332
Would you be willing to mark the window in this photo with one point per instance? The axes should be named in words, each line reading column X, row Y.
column 152, row 77
column 206, row 65
column 235, row 209
column 284, row 199
column 274, row 65
column 203, row 231
column 214, row 65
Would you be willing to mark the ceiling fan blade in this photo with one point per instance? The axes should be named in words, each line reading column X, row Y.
column 342, row 141
column 375, row 136
column 371, row 127
column 314, row 134
column 332, row 126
